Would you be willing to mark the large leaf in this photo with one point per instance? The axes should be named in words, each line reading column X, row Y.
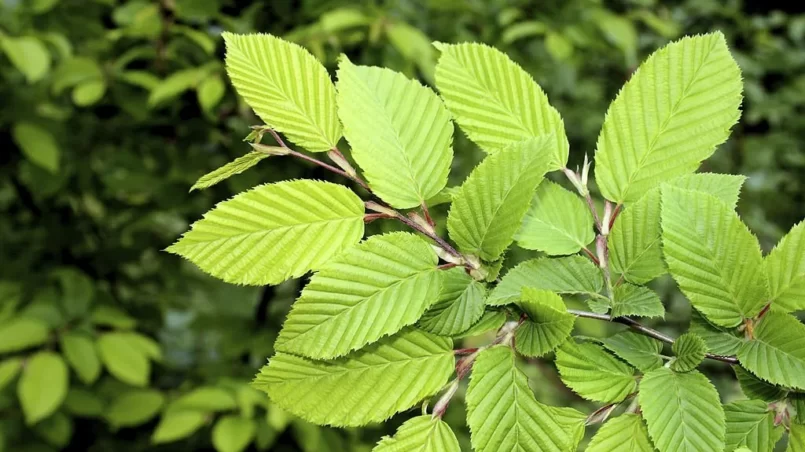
column 232, row 168
column 42, row 386
column 625, row 432
column 796, row 438
column 573, row 274
column 503, row 414
column 637, row 301
column 274, row 232
column 368, row 385
column 683, row 411
column 713, row 256
column 399, row 131
column 678, row 106
column 750, row 423
column 593, row 373
column 420, row 434
column 370, row 291
column 287, row 88
column 557, row 223
column 489, row 207
column 548, row 324
column 495, row 101
column 777, row 352
column 460, row 304
column 642, row 352
column 785, row 266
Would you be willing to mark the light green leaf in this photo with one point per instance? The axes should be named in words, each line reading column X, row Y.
column 573, row 274
column 489, row 207
column 777, row 352
column 83, row 403
column 548, row 324
column 78, row 291
column 206, row 398
column 665, row 121
column 593, row 373
column 713, row 256
column 399, row 131
column 719, row 340
column 27, row 54
column 573, row 421
column 368, row 385
column 496, row 102
column 460, row 304
column 134, row 407
column 640, row 351
column 21, row 333
column 38, row 145
column 755, row 388
column 637, row 301
column 105, row 315
column 421, row 434
column 210, row 92
column 726, row 187
column 82, row 356
column 175, row 84
column 490, row 321
column 796, row 438
column 502, row 412
column 56, row 430
column 286, row 86
column 274, row 232
column 177, row 424
column 625, row 432
column 232, row 168
column 73, row 71
column 785, row 266
column 683, row 411
column 750, row 423
column 689, row 350
column 9, row 368
column 370, row 291
column 233, row 433
column 149, row 347
column 124, row 359
column 42, row 386
column 557, row 223
column 89, row 92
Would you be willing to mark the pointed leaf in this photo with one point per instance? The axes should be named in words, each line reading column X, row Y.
column 206, row 398
column 755, row 388
column 689, row 350
column 460, row 304
column 640, row 351
column 593, row 373
column 232, row 168
column 38, row 145
column 785, row 266
column 177, row 424
column 233, row 433
column 124, row 359
column 42, row 386
column 420, row 434
column 573, row 422
column 9, row 368
column 750, row 423
column 21, row 333
column 134, row 408
column 82, row 356
column 777, row 352
column 625, row 432
column 726, row 187
column 640, row 301
column 573, row 274
column 548, row 324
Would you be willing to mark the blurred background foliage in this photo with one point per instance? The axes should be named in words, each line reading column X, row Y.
column 111, row 109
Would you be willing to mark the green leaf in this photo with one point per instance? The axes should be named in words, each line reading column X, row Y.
column 177, row 424
column 133, row 408
column 777, row 352
column 210, row 92
column 726, row 187
column 625, row 432
column 557, row 223
column 490, row 205
column 274, row 232
column 366, row 386
column 174, row 85
column 665, row 121
column 27, row 54
column 78, row 291
column 573, row 422
column 38, row 145
column 689, row 350
column 149, row 347
column 124, row 359
column 89, row 92
column 422, row 434
column 593, row 373
column 232, row 168
column 712, row 256
column 460, row 304
column 640, row 351
column 399, row 131
column 370, row 291
column 548, row 324
column 750, row 423
column 640, row 301
column 490, row 321
column 42, row 386
column 56, row 430
column 233, row 433
column 796, row 438
column 496, row 102
column 206, row 398
column 683, row 411
column 21, row 333
column 82, row 356
column 286, row 86
column 755, row 388
column 573, row 274
column 785, row 266
column 719, row 340
column 9, row 368
column 502, row 412
column 112, row 317
column 83, row 403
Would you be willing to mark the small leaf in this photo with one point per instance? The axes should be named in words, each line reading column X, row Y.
column 573, row 274
column 27, row 54
column 56, row 430
column 206, row 398
column 557, row 223
column 718, row 339
column 89, row 92
column 777, row 352
column 785, row 266
column 9, row 368
column 174, row 85
column 232, row 168
column 134, row 407
column 490, row 321
column 755, row 388
column 83, row 403
column 233, row 433
column 689, row 350
column 639, row 301
column 593, row 373
column 112, row 317
column 42, row 386
column 124, row 359
column 460, row 304
column 38, row 145
column 82, row 356
column 177, row 424
column 423, row 434
column 750, row 423
column 22, row 333
column 625, row 432
column 210, row 92
column 640, row 351
column 548, row 324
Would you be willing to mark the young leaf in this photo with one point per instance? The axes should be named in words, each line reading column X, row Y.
column 572, row 274
column 399, row 130
column 274, row 232
column 370, row 291
column 593, row 373
column 719, row 340
column 785, row 266
column 689, row 350
column 366, row 386
column 177, row 424
column 496, row 102
column 490, row 321
column 134, row 407
column 9, row 368
column 490, row 204
column 625, row 432
column 124, row 359
column 640, row 301
column 287, row 88
column 82, row 356
column 726, row 187
column 233, row 433
column 683, row 411
column 557, row 223
column 755, row 388
column 639, row 350
column 750, row 423
column 42, row 386
column 713, row 257
column 501, row 409
column 548, row 324
column 573, row 422
column 21, row 333
column 460, row 304
column 422, row 434
column 777, row 352
column 665, row 121
column 232, row 168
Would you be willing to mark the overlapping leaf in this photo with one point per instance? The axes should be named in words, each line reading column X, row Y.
column 755, row 388
column 639, row 350
column 420, row 434
column 625, row 432
column 593, row 373
column 572, row 274
column 232, row 168
column 274, row 232
column 689, row 350
column 796, row 438
column 548, row 324
column 460, row 304
column 750, row 423
column 718, row 339
column 777, row 352
column 490, row 321
column 785, row 266
column 637, row 301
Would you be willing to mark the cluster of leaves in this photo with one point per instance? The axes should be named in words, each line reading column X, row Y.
column 372, row 332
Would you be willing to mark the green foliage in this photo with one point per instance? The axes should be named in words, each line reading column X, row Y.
column 548, row 324
column 42, row 386
column 777, row 351
column 785, row 266
column 460, row 305
column 423, row 434
column 690, row 351
column 232, row 168
column 750, row 423
column 625, row 432
column 593, row 373
column 571, row 275
column 638, row 301
column 557, row 223
column 642, row 352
